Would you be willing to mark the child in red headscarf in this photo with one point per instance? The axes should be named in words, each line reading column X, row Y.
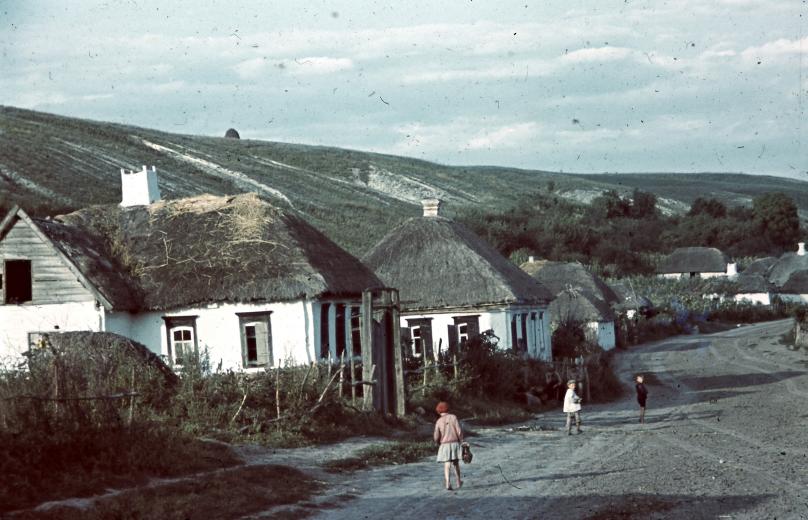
column 450, row 436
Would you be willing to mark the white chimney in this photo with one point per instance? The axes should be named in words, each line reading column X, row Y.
column 531, row 259
column 432, row 207
column 732, row 269
column 801, row 249
column 139, row 188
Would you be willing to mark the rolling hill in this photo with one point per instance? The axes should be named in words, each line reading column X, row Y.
column 51, row 164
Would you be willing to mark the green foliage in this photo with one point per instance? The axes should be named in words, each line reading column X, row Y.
column 707, row 206
column 570, row 341
column 776, row 216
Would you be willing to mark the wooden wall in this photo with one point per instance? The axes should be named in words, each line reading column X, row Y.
column 52, row 281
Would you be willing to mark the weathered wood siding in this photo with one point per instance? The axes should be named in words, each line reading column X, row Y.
column 52, row 281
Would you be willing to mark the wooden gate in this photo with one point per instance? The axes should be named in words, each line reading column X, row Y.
column 382, row 363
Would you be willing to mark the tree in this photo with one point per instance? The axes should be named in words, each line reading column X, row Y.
column 777, row 218
column 643, row 204
column 712, row 207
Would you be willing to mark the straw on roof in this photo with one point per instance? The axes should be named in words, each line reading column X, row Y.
column 438, row 263
column 559, row 276
column 205, row 249
column 797, row 283
column 694, row 260
column 761, row 266
column 747, row 283
column 785, row 266
column 581, row 306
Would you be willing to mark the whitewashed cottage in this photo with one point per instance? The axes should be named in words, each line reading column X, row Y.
column 696, row 262
column 789, row 276
column 249, row 284
column 454, row 286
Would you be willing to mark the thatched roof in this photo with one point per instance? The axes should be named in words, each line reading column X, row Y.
column 785, row 266
column 797, row 283
column 437, row 263
column 581, row 306
column 559, row 276
column 204, row 249
column 747, row 283
column 694, row 260
column 760, row 266
column 232, row 133
column 627, row 298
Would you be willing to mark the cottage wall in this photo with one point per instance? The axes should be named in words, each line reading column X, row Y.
column 793, row 298
column 497, row 320
column 756, row 298
column 676, row 276
column 602, row 332
column 18, row 321
column 295, row 330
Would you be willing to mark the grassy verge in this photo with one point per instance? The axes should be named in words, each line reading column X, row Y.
column 232, row 493
column 400, row 452
column 36, row 468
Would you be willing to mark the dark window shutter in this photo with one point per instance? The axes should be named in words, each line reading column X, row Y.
column 452, row 338
column 406, row 340
column 262, row 342
column 474, row 326
column 426, row 338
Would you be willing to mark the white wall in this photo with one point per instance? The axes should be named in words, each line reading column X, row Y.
column 16, row 321
column 757, row 298
column 603, row 333
column 676, row 276
column 498, row 320
column 295, row 330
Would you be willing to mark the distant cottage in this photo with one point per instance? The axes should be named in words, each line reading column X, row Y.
column 453, row 286
column 578, row 296
column 788, row 276
column 250, row 283
column 696, row 262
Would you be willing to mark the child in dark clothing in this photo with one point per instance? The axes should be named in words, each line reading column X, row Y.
column 642, row 396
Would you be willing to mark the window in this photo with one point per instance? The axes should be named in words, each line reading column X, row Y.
column 464, row 328
column 182, row 344
column 182, row 341
column 256, row 339
column 417, row 343
column 18, row 281
column 419, row 332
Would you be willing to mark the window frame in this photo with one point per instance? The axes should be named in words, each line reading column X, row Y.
column 175, row 323
column 251, row 319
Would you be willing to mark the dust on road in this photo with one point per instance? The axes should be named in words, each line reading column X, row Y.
column 725, row 437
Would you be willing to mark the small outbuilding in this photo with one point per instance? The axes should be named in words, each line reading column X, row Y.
column 453, row 286
column 696, row 262
column 232, row 133
column 583, row 307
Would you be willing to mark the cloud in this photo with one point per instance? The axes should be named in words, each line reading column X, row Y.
column 508, row 136
column 308, row 66
column 597, row 54
column 776, row 50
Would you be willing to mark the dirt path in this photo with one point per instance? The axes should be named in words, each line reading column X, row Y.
column 726, row 437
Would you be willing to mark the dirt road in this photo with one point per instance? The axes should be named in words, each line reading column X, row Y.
column 726, row 437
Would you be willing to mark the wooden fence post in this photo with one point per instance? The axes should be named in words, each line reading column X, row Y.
column 366, row 331
column 341, row 373
column 278, row 392
column 353, row 381
column 426, row 369
column 398, row 358
column 454, row 364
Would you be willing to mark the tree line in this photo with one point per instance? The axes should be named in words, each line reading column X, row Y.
column 622, row 235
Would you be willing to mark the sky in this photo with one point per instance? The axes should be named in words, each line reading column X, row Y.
column 573, row 85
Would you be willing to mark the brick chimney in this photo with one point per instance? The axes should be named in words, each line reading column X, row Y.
column 139, row 188
column 531, row 259
column 732, row 270
column 432, row 207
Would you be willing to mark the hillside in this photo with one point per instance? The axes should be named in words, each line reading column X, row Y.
column 51, row 164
